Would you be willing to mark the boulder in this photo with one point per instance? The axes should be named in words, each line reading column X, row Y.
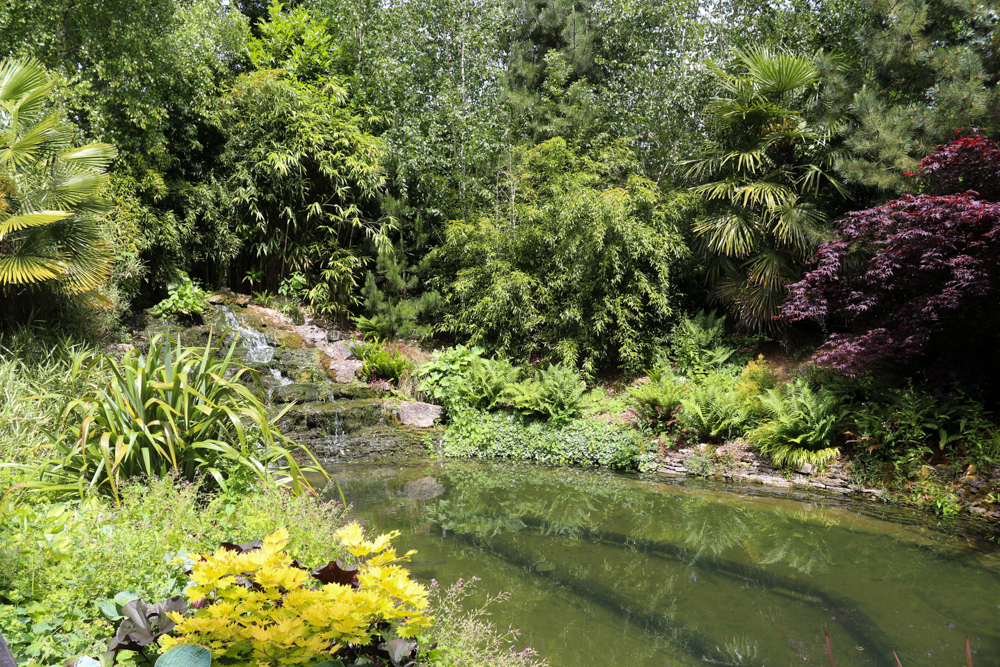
column 340, row 351
column 345, row 370
column 418, row 414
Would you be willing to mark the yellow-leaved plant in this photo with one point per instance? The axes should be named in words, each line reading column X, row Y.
column 259, row 608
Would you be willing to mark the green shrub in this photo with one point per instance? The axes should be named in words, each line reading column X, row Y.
column 798, row 427
column 381, row 362
column 910, row 425
column 183, row 298
column 657, row 400
column 478, row 434
column 554, row 393
column 583, row 270
column 712, row 408
column 170, row 410
column 445, row 379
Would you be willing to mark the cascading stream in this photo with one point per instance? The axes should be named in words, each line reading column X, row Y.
column 256, row 344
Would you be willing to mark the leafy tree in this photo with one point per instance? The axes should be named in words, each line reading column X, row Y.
column 969, row 163
column 579, row 267
column 653, row 84
column 435, row 70
column 136, row 75
column 916, row 283
column 50, row 208
column 146, row 77
column 766, row 178
column 300, row 172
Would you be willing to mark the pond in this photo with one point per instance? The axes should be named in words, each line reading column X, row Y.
column 619, row 570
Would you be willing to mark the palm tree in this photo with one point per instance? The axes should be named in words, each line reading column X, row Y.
column 50, row 211
column 761, row 177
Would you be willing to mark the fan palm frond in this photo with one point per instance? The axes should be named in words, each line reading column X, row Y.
column 49, row 190
column 729, row 233
column 771, row 156
column 778, row 73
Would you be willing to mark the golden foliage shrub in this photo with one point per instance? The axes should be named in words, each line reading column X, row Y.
column 259, row 606
column 755, row 380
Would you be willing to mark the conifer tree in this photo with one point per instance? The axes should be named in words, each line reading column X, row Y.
column 553, row 50
column 928, row 71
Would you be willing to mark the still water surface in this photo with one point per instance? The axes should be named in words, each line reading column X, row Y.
column 606, row 569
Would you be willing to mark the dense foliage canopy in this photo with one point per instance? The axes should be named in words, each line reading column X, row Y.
column 514, row 174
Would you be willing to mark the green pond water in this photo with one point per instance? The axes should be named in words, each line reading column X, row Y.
column 607, row 569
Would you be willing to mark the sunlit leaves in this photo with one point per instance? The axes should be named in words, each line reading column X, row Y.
column 575, row 269
column 759, row 177
column 170, row 410
column 48, row 231
column 258, row 604
column 302, row 171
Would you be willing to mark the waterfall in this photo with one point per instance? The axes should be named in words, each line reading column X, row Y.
column 258, row 350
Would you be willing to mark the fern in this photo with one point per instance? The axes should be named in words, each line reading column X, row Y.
column 698, row 345
column 713, row 409
column 555, row 393
column 799, row 426
column 381, row 362
column 657, row 400
column 487, row 382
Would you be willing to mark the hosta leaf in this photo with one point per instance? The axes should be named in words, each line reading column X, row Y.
column 334, row 573
column 188, row 655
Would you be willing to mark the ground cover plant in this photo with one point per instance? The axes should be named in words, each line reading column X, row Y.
column 32, row 364
column 63, row 562
column 69, row 569
column 505, row 435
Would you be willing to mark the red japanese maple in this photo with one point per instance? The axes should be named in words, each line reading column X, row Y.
column 969, row 163
column 914, row 281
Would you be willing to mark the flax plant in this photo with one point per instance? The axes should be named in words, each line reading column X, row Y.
column 171, row 410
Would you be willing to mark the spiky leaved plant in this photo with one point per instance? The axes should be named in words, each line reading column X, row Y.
column 50, row 207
